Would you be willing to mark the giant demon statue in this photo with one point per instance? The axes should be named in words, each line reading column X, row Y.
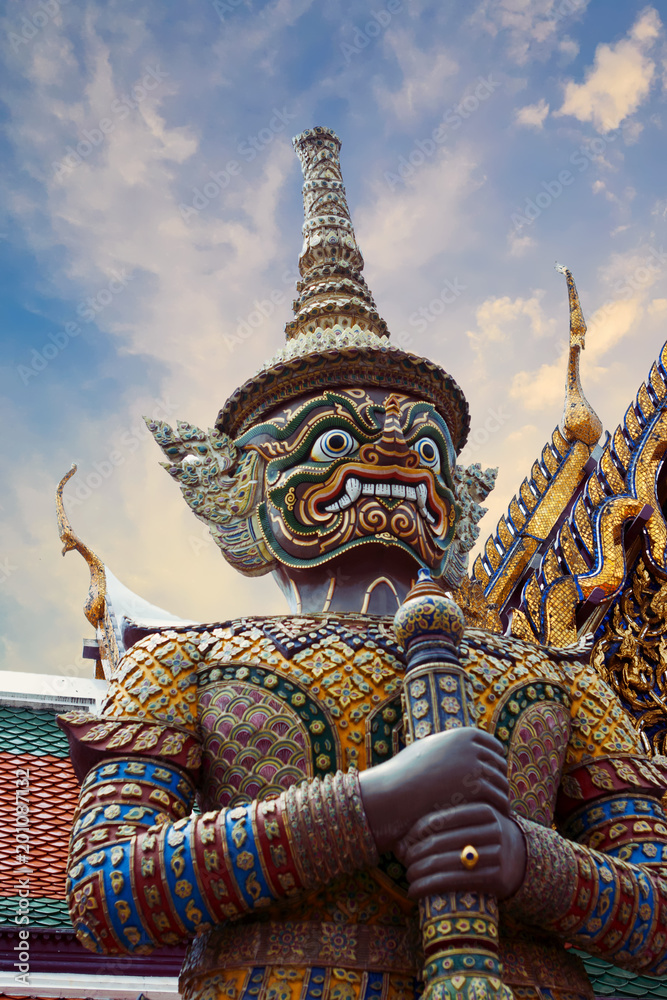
column 327, row 806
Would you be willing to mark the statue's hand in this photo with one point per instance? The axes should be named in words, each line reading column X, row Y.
column 436, row 773
column 431, row 852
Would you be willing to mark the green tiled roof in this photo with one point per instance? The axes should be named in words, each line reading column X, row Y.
column 43, row 912
column 610, row 981
column 30, row 730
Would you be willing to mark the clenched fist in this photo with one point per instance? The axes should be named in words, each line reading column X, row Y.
column 431, row 852
column 438, row 773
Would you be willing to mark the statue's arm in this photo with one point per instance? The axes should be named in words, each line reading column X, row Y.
column 144, row 871
column 601, row 882
column 140, row 887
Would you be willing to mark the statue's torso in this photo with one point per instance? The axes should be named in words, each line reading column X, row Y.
column 276, row 700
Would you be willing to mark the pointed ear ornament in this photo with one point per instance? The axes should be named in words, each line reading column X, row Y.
column 470, row 486
column 222, row 485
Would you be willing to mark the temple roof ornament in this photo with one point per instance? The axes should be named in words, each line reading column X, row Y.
column 95, row 602
column 579, row 422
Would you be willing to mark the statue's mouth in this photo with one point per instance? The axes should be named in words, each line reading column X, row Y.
column 354, row 488
column 356, row 503
column 391, row 487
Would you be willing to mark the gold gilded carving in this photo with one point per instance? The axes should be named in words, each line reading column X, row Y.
column 583, row 524
column 95, row 608
column 559, row 613
column 631, row 654
column 178, row 862
column 478, row 610
column 533, row 514
column 550, row 567
column 131, row 790
column 117, row 881
column 621, row 449
column 521, row 627
column 95, row 603
column 123, row 910
column 611, row 571
column 657, row 382
column 612, row 475
column 644, row 486
column 570, row 551
column 152, row 895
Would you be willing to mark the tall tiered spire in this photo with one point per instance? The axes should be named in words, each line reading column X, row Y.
column 579, row 422
column 333, row 291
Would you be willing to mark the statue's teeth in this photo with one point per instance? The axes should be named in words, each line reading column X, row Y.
column 354, row 488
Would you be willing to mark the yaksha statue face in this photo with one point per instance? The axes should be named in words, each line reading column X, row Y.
column 350, row 466
column 336, row 461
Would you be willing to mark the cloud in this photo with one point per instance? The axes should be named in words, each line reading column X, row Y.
column 424, row 77
column 568, row 48
column 608, row 325
column 498, row 318
column 519, row 245
column 620, row 79
column 532, row 115
column 112, row 208
column 531, row 26
column 543, row 388
column 422, row 218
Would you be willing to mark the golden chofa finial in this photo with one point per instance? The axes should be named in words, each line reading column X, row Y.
column 96, row 600
column 579, row 422
column 332, row 292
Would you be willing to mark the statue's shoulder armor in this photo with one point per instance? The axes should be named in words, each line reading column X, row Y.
column 509, row 674
column 156, row 680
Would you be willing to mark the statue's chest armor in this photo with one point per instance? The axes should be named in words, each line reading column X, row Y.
column 285, row 699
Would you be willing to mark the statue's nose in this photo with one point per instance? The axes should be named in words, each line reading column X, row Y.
column 391, row 449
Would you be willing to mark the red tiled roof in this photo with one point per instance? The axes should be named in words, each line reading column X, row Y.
column 53, row 795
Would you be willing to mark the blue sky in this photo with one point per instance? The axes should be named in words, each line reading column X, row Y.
column 152, row 205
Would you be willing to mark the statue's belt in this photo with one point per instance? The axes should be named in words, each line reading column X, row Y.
column 371, row 947
column 385, row 948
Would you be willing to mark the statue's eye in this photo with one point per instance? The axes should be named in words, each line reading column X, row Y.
column 429, row 453
column 333, row 444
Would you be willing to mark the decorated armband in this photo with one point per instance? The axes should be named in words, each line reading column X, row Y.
column 122, row 808
column 612, row 904
column 145, row 874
